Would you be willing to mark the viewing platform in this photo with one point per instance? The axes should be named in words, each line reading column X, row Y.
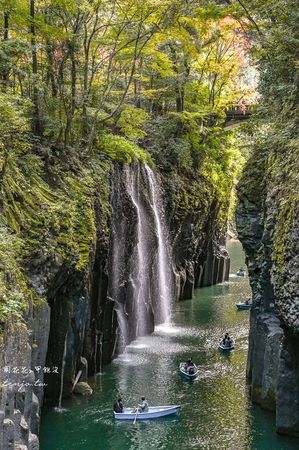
column 238, row 113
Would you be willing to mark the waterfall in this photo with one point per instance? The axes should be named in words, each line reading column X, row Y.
column 122, row 334
column 141, row 282
column 62, row 372
column 165, row 278
column 139, row 278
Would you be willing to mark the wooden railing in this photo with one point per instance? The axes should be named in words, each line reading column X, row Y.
column 240, row 111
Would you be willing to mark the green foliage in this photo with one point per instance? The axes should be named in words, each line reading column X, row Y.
column 283, row 179
column 120, row 149
column 48, row 209
column 186, row 142
column 131, row 121
column 14, row 123
column 14, row 290
column 205, row 161
column 165, row 143
column 57, row 223
column 12, row 52
column 106, row 59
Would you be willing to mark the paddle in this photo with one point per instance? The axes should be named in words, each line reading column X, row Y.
column 135, row 417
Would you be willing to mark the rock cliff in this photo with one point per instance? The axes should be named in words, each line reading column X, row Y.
column 268, row 223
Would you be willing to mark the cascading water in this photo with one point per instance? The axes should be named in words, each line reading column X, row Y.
column 139, row 279
column 165, row 277
column 141, row 283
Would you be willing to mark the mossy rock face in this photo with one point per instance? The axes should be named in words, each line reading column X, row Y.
column 46, row 226
column 54, row 218
column 268, row 226
column 284, row 196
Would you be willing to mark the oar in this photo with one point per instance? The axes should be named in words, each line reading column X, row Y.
column 135, row 417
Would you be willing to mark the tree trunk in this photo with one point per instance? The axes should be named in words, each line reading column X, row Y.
column 50, row 70
column 71, row 112
column 36, row 125
column 179, row 99
column 5, row 72
column 85, row 94
column 137, row 86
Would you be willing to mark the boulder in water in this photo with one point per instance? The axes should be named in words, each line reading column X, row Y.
column 82, row 388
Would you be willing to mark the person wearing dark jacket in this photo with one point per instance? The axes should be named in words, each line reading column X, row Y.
column 118, row 406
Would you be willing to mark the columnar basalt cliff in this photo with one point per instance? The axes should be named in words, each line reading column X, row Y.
column 199, row 254
column 22, row 359
column 268, row 224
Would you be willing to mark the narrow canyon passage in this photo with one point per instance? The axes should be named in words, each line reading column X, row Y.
column 135, row 137
column 216, row 410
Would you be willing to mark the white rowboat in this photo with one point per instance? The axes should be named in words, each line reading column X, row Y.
column 226, row 348
column 187, row 375
column 154, row 412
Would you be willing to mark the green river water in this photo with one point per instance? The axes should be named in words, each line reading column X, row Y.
column 216, row 411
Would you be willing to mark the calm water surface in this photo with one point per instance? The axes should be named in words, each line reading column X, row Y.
column 216, row 413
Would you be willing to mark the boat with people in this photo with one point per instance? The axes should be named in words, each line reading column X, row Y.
column 245, row 306
column 226, row 344
column 226, row 347
column 153, row 412
column 188, row 372
column 241, row 272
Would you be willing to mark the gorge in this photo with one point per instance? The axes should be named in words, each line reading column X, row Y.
column 121, row 167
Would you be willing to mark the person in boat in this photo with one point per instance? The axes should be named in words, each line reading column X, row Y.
column 191, row 368
column 118, row 406
column 225, row 339
column 229, row 342
column 188, row 363
column 143, row 406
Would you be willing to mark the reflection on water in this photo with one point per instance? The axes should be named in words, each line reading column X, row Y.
column 216, row 413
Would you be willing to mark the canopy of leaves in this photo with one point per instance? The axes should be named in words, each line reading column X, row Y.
column 87, row 63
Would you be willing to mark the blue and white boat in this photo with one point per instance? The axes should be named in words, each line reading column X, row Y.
column 154, row 412
column 226, row 348
column 243, row 306
column 188, row 375
column 241, row 273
